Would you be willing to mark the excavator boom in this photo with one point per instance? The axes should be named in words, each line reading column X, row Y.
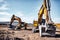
column 15, row 18
column 45, row 9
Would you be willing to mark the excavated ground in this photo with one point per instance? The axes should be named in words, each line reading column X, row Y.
column 21, row 34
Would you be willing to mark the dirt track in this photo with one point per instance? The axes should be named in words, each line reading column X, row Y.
column 27, row 34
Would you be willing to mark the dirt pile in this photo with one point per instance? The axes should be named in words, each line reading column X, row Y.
column 6, row 35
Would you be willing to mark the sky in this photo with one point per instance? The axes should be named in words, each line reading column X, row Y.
column 27, row 10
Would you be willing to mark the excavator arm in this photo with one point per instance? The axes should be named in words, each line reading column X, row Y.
column 44, row 11
column 15, row 18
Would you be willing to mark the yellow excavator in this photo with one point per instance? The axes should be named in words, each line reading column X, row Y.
column 46, row 26
column 20, row 23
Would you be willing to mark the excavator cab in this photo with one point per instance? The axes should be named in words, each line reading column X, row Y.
column 35, row 25
column 43, row 22
column 23, row 24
